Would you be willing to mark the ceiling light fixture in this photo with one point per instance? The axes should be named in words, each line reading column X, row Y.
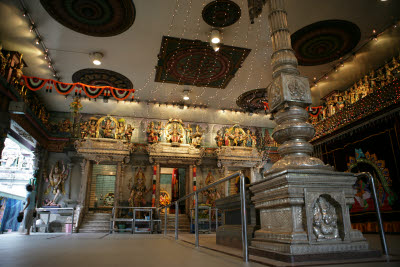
column 215, row 47
column 37, row 41
column 215, row 37
column 186, row 95
column 96, row 57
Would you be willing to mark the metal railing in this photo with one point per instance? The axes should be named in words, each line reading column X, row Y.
column 378, row 212
column 196, row 200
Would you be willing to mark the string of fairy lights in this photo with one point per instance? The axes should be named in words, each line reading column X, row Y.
column 375, row 36
column 33, row 28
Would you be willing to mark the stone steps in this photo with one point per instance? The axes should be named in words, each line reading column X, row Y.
column 95, row 223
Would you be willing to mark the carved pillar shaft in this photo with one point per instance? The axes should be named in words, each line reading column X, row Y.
column 85, row 165
column 283, row 58
column 289, row 94
column 118, row 183
column 158, row 185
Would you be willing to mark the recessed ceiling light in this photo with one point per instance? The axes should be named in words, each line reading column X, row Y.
column 186, row 95
column 215, row 37
column 96, row 57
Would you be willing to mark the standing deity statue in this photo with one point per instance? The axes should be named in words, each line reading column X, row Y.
column 197, row 137
column 160, row 131
column 219, row 139
column 381, row 78
column 120, row 129
column 248, row 139
column 389, row 76
column 56, row 181
column 372, row 79
column 92, row 127
column 138, row 190
column 340, row 104
column 189, row 132
column 152, row 136
column 84, row 129
column 227, row 140
column 128, row 132
column 174, row 136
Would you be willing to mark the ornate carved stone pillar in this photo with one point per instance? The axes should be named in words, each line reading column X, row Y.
column 85, row 167
column 304, row 204
column 118, row 183
column 4, row 128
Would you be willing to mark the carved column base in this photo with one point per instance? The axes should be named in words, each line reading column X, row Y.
column 304, row 215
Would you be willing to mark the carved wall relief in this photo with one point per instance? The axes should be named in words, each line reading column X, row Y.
column 325, row 218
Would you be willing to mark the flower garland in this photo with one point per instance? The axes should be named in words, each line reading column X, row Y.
column 35, row 84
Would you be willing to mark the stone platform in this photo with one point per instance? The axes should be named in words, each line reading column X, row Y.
column 305, row 216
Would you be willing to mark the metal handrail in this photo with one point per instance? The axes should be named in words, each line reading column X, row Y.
column 196, row 198
column 377, row 209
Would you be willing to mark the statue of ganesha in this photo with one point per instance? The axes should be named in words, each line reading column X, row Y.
column 324, row 220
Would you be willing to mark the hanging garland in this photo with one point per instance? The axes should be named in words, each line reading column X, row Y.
column 35, row 84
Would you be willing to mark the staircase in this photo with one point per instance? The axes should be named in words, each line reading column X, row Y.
column 95, row 223
column 183, row 226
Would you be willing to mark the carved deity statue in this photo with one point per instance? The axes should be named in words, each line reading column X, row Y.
column 219, row 139
column 84, row 129
column 325, row 220
column 108, row 128
column 388, row 75
column 128, row 132
column 120, row 129
column 138, row 190
column 340, row 104
column 211, row 194
column 248, row 139
column 152, row 135
column 197, row 137
column 56, row 181
column 189, row 133
column 5, row 61
column 174, row 132
column 92, row 127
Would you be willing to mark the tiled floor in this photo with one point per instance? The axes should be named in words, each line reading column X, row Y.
column 134, row 250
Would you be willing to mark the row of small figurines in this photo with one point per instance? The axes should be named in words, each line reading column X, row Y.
column 238, row 138
column 91, row 129
column 364, row 87
column 32, row 100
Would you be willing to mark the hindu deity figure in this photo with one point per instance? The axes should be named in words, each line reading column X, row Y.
column 5, row 61
column 17, row 73
column 92, row 127
column 237, row 137
column 65, row 126
column 189, row 132
column 340, row 103
column 227, row 136
column 84, row 129
column 389, row 75
column 108, row 128
column 128, row 132
column 211, row 194
column 372, row 79
column 121, row 129
column 152, row 136
column 138, row 190
column 160, row 131
column 174, row 136
column 56, row 181
column 381, row 78
column 395, row 65
column 197, row 137
column 248, row 138
column 325, row 220
column 219, row 139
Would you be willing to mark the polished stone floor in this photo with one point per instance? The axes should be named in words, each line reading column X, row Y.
column 137, row 250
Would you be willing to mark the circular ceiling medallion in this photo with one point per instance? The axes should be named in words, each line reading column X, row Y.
column 100, row 18
column 221, row 13
column 197, row 65
column 324, row 41
column 102, row 77
column 253, row 100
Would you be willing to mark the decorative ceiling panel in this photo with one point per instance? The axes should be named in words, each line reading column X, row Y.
column 325, row 41
column 193, row 62
column 102, row 77
column 100, row 18
column 253, row 100
column 221, row 13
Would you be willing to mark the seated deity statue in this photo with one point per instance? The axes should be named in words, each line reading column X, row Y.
column 325, row 220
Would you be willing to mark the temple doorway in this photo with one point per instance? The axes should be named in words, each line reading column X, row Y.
column 102, row 187
column 172, row 187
